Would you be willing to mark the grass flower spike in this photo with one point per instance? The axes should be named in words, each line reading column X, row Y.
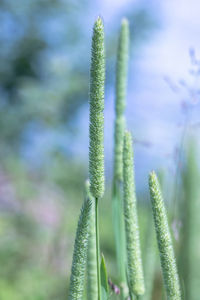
column 167, row 257
column 97, row 79
column 96, row 148
column 134, row 261
column 121, row 85
column 80, row 253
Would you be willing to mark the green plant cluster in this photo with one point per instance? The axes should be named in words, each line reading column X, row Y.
column 134, row 283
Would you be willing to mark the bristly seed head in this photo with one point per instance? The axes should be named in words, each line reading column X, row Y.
column 134, row 260
column 164, row 240
column 80, row 253
column 96, row 132
column 120, row 102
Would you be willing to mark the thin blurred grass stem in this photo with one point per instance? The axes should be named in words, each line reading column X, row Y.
column 97, row 248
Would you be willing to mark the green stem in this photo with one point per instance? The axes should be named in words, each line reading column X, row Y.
column 97, row 248
column 131, row 296
column 119, row 231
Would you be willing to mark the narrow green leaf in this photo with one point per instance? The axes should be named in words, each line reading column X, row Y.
column 190, row 242
column 104, row 280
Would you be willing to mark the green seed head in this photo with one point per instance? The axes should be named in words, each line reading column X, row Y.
column 121, row 86
column 118, row 156
column 97, row 79
column 165, row 246
column 122, row 67
column 80, row 253
column 134, row 261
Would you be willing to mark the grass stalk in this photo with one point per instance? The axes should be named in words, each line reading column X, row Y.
column 119, row 233
column 92, row 283
column 149, row 259
column 97, row 248
column 96, row 130
column 120, row 103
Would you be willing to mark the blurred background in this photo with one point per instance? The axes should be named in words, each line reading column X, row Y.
column 44, row 80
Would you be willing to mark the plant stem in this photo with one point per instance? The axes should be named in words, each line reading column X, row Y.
column 97, row 248
column 119, row 231
column 92, row 287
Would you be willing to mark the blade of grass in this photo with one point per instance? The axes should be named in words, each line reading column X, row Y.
column 190, row 251
column 104, row 280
